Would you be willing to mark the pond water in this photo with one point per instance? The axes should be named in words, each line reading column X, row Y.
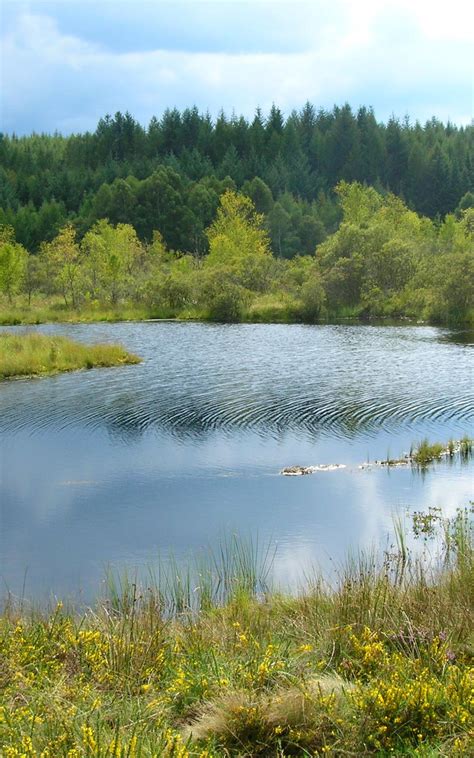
column 115, row 467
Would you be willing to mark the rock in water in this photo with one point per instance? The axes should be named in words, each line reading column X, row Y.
column 302, row 470
column 296, row 470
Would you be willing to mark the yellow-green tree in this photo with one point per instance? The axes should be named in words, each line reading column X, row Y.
column 239, row 242
column 372, row 257
column 13, row 261
column 112, row 258
column 62, row 264
column 171, row 277
column 451, row 272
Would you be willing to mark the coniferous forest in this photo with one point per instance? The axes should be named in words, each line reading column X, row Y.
column 380, row 247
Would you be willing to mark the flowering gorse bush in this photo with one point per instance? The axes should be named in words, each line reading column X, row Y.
column 268, row 675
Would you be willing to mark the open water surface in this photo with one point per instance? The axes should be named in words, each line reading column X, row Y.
column 114, row 467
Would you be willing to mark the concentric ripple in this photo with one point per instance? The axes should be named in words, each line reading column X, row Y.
column 195, row 378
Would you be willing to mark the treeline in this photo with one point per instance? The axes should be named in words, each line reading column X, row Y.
column 384, row 260
column 170, row 175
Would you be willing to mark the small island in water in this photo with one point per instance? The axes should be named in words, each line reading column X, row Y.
column 35, row 354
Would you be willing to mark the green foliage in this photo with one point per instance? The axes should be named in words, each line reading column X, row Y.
column 359, row 204
column 13, row 263
column 313, row 297
column 466, row 202
column 112, row 261
column 239, row 242
column 221, row 296
column 172, row 283
column 61, row 259
column 260, row 194
column 384, row 260
column 273, row 307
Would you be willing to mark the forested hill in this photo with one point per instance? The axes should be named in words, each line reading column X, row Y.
column 170, row 175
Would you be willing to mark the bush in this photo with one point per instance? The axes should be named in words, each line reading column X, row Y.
column 228, row 305
column 313, row 298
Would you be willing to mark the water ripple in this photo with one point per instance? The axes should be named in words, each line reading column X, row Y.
column 196, row 378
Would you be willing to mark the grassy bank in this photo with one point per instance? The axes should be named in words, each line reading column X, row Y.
column 263, row 310
column 213, row 663
column 38, row 354
column 266, row 309
column 53, row 310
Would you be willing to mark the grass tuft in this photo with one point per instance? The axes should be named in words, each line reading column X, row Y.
column 425, row 453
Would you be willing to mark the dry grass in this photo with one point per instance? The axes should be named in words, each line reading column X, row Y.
column 238, row 717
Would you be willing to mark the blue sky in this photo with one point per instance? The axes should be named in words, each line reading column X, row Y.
column 67, row 63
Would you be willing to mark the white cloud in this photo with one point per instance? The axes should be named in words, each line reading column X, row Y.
column 397, row 57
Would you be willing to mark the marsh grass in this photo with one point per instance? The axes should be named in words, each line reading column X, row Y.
column 34, row 354
column 427, row 452
column 378, row 663
column 466, row 448
column 238, row 567
column 43, row 310
column 274, row 308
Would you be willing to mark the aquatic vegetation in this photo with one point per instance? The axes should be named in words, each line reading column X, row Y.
column 382, row 662
column 34, row 354
column 51, row 309
column 466, row 448
column 426, row 523
column 427, row 452
column 420, row 456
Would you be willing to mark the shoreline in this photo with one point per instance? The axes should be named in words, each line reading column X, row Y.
column 378, row 662
column 95, row 318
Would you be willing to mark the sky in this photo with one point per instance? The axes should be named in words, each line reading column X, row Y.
column 65, row 64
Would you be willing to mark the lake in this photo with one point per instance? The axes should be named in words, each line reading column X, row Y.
column 116, row 467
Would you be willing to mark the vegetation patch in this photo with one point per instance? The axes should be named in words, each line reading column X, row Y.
column 214, row 663
column 427, row 452
column 35, row 354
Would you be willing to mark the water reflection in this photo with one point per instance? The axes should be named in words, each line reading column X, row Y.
column 117, row 466
column 457, row 336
